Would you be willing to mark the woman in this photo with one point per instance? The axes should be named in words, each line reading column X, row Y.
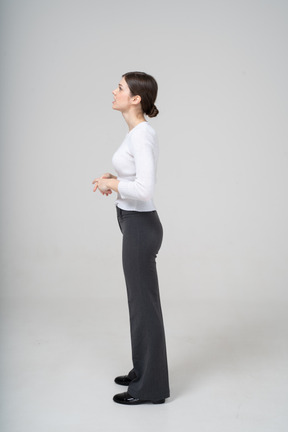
column 135, row 164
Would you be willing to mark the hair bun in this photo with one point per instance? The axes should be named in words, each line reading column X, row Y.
column 154, row 112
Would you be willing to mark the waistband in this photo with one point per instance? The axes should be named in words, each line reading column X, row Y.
column 121, row 212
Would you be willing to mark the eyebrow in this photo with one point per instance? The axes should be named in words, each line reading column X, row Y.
column 120, row 85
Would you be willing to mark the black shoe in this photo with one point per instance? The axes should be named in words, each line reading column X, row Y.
column 123, row 380
column 126, row 399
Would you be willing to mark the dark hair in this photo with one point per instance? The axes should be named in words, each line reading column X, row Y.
column 146, row 87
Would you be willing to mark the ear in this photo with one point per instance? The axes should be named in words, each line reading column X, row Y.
column 136, row 100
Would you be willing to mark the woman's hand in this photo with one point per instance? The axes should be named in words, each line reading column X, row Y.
column 102, row 186
column 106, row 185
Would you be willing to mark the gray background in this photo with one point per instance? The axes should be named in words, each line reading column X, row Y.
column 222, row 70
column 222, row 178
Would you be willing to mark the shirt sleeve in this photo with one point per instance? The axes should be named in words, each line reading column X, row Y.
column 143, row 150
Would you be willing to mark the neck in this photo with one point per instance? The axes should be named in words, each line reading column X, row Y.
column 132, row 119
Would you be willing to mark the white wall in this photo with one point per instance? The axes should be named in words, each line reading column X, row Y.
column 222, row 189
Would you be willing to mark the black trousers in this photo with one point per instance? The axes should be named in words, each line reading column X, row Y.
column 142, row 238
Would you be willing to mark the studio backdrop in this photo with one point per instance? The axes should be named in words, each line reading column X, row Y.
column 221, row 192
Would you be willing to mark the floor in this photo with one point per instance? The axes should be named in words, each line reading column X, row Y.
column 228, row 367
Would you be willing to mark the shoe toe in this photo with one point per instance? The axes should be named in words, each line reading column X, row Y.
column 126, row 399
column 123, row 380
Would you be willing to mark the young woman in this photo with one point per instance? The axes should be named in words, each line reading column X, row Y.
column 135, row 164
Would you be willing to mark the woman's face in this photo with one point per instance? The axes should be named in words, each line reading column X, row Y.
column 122, row 97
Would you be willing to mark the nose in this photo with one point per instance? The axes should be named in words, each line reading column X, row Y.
column 114, row 92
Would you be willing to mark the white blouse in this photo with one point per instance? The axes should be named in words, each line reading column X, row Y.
column 135, row 163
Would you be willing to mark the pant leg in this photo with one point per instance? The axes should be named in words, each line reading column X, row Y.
column 142, row 238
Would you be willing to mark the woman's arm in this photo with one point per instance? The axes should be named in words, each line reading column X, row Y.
column 143, row 148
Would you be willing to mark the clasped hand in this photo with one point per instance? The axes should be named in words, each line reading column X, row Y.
column 101, row 184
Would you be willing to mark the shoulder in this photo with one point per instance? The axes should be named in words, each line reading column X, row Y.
column 143, row 131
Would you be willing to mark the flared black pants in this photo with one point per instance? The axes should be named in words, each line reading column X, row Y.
column 142, row 238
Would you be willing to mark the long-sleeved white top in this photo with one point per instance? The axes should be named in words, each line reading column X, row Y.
column 135, row 163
